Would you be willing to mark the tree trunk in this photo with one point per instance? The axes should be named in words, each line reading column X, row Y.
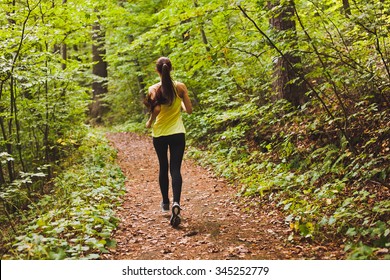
column 346, row 7
column 140, row 77
column 64, row 49
column 140, row 80
column 2, row 177
column 286, row 83
column 99, row 87
column 202, row 32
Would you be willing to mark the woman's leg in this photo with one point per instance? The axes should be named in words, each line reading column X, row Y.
column 176, row 149
column 161, row 146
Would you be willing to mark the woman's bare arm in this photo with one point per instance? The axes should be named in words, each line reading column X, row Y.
column 156, row 109
column 153, row 116
column 186, row 101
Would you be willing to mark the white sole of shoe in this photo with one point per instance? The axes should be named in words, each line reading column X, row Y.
column 175, row 218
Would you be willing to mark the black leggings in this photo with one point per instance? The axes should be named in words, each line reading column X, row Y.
column 176, row 144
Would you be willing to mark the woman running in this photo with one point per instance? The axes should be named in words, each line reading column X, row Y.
column 165, row 101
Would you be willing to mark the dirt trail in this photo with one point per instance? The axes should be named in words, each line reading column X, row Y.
column 215, row 224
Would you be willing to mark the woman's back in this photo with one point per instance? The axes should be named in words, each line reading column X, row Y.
column 169, row 120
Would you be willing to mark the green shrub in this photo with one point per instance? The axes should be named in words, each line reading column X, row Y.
column 76, row 219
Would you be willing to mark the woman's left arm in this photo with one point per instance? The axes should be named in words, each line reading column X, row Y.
column 186, row 101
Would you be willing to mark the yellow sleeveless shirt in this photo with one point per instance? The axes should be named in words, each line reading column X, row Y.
column 169, row 120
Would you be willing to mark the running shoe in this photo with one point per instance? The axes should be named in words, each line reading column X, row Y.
column 175, row 218
column 164, row 207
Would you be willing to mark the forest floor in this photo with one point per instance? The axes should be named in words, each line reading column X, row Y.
column 216, row 224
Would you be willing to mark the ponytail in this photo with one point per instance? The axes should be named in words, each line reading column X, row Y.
column 166, row 94
column 167, row 86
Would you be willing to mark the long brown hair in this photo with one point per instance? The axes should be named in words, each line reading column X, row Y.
column 166, row 93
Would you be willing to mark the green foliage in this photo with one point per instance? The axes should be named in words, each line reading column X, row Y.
column 131, row 126
column 76, row 219
column 43, row 98
column 325, row 164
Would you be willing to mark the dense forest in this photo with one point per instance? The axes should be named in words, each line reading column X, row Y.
column 291, row 105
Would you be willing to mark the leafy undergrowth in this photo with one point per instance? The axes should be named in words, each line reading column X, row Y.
column 307, row 169
column 136, row 125
column 76, row 219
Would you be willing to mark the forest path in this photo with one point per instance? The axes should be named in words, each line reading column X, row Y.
column 215, row 224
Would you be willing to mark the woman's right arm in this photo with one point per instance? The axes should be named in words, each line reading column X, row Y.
column 153, row 116
column 155, row 111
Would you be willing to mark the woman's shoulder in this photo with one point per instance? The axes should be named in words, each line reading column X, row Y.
column 181, row 88
column 155, row 86
column 179, row 84
column 152, row 90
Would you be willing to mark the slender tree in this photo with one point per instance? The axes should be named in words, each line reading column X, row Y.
column 99, row 86
column 64, row 48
